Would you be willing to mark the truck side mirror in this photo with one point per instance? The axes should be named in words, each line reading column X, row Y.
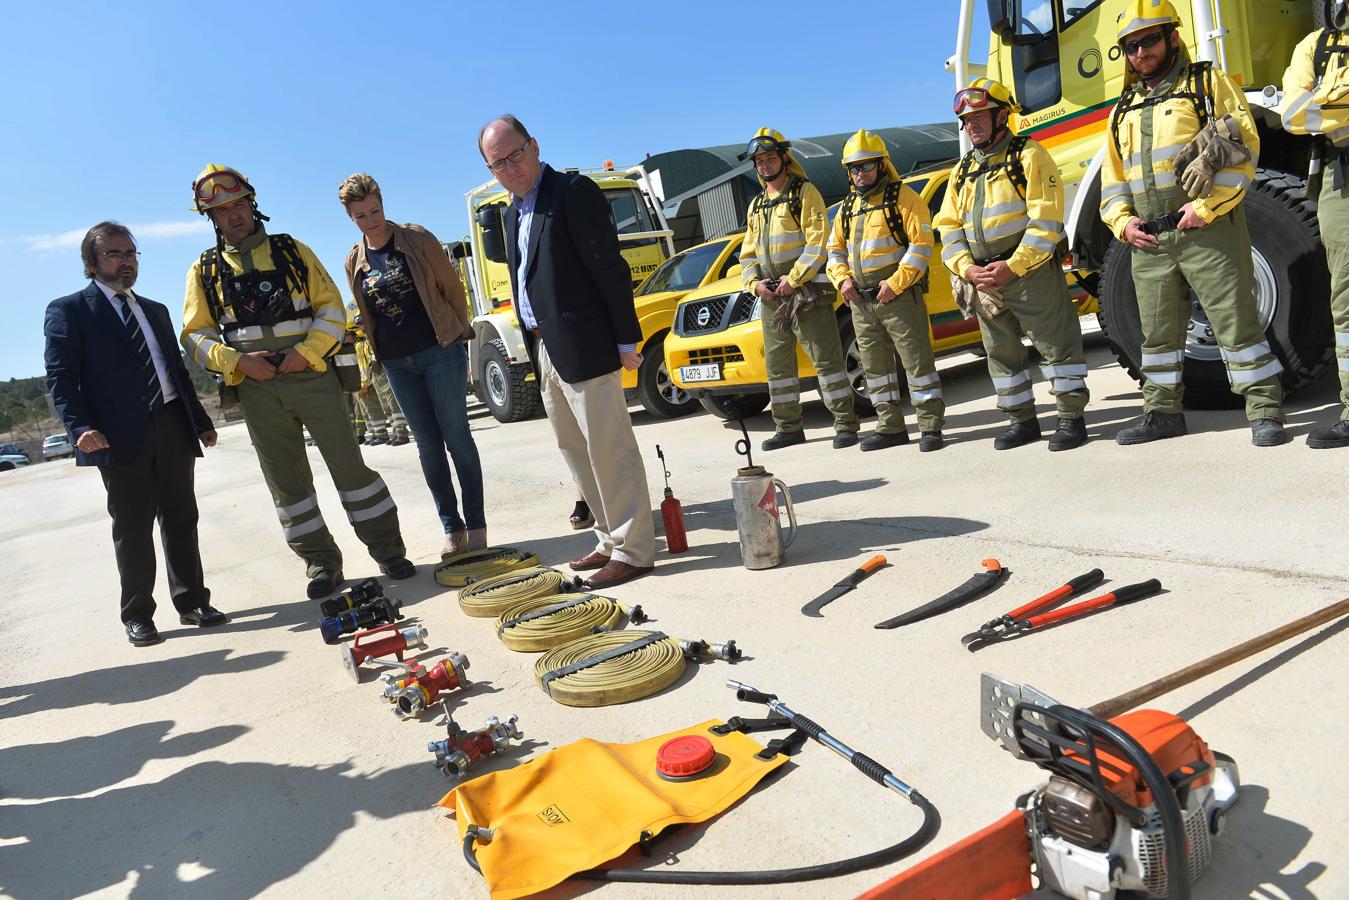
column 1002, row 17
column 493, row 233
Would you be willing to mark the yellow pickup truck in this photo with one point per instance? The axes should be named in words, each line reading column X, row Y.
column 715, row 346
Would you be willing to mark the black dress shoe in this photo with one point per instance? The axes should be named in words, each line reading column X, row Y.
column 203, row 616
column 142, row 633
column 783, row 439
column 323, row 584
column 844, row 439
column 399, row 567
column 1018, row 434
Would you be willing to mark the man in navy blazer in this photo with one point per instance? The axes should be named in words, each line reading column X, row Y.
column 573, row 293
column 119, row 385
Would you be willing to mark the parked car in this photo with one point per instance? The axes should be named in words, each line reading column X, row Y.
column 14, row 450
column 56, row 446
column 11, row 457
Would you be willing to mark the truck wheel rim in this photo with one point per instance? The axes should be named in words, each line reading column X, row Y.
column 496, row 384
column 672, row 392
column 1200, row 341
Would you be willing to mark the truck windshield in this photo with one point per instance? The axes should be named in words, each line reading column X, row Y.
column 685, row 271
column 1037, row 18
column 630, row 213
column 1072, row 10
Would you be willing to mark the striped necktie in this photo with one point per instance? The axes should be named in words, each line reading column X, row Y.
column 153, row 392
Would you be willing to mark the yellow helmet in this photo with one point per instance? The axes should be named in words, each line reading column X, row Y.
column 981, row 93
column 1140, row 14
column 217, row 185
column 863, row 146
column 769, row 139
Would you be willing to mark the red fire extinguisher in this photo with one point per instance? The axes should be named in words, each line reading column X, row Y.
column 672, row 514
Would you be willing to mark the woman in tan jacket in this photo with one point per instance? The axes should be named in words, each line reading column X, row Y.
column 416, row 319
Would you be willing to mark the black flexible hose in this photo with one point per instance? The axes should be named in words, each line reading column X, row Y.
column 911, row 844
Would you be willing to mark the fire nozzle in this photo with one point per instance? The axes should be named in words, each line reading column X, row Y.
column 418, row 687
column 386, row 640
column 385, row 609
column 460, row 749
column 362, row 594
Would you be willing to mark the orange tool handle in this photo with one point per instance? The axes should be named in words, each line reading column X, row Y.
column 1127, row 594
column 872, row 565
column 1080, row 583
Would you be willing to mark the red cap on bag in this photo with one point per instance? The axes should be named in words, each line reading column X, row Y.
column 684, row 757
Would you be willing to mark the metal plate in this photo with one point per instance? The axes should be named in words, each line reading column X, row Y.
column 349, row 662
column 705, row 372
column 997, row 698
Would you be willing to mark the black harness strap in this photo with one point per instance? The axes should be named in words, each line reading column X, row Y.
column 894, row 219
column 1012, row 163
column 592, row 661
column 1198, row 90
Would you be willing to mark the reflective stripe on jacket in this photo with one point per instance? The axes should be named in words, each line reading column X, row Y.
column 871, row 253
column 988, row 216
column 1312, row 108
column 775, row 243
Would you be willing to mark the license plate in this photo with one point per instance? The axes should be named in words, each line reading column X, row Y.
column 705, row 372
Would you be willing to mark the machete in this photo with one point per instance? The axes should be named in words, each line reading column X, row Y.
column 977, row 585
column 813, row 607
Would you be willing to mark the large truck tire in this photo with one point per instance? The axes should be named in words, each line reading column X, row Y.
column 660, row 396
column 747, row 405
column 1292, row 287
column 507, row 389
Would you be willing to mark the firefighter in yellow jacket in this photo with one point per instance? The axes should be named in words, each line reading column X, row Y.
column 782, row 263
column 1001, row 224
column 1180, row 153
column 261, row 311
column 1316, row 101
column 879, row 251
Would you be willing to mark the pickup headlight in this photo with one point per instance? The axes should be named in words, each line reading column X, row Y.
column 757, row 313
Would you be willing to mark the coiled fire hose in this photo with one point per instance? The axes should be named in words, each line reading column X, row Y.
column 475, row 565
column 491, row 597
column 869, row 767
column 619, row 666
column 544, row 622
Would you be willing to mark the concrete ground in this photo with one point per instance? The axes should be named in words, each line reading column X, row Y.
column 242, row 760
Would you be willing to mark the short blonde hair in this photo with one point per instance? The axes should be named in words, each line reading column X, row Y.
column 358, row 187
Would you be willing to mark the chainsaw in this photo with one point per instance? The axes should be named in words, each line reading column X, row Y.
column 1133, row 802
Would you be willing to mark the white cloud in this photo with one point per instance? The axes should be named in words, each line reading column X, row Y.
column 45, row 243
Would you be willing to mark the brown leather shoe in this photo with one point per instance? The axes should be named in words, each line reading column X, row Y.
column 616, row 572
column 589, row 561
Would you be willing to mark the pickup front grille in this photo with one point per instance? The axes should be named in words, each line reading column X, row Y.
column 728, row 354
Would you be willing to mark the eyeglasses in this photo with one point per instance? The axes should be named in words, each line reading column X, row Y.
column 865, row 165
column 1131, row 48
column 119, row 255
column 510, row 159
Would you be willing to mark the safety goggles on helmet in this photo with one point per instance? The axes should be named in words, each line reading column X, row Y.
column 209, row 189
column 974, row 99
column 865, row 165
column 764, row 144
column 1132, row 46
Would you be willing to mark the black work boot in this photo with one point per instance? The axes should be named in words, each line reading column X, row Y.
column 844, row 439
column 323, row 583
column 1336, row 435
column 1154, row 426
column 1071, row 433
column 878, row 441
column 1268, row 433
column 783, row 439
column 1018, row 435
column 931, row 440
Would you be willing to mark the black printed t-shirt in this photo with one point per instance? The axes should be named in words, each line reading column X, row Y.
column 402, row 327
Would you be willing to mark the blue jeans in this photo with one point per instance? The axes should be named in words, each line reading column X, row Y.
column 430, row 385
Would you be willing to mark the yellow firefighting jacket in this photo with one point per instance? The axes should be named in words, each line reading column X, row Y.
column 1312, row 107
column 322, row 329
column 871, row 254
column 988, row 215
column 1138, row 178
column 776, row 242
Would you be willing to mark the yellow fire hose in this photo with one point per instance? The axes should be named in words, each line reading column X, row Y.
column 493, row 596
column 544, row 622
column 475, row 565
column 619, row 666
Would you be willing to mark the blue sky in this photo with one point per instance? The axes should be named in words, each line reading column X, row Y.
column 114, row 108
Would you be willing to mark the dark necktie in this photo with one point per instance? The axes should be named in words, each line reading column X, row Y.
column 153, row 393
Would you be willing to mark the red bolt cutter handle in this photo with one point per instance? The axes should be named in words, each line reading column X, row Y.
column 1080, row 583
column 1118, row 597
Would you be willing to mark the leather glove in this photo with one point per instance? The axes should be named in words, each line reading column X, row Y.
column 1218, row 146
column 974, row 301
column 1197, row 179
column 989, row 304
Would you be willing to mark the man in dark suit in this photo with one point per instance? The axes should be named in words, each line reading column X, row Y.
column 120, row 388
column 573, row 294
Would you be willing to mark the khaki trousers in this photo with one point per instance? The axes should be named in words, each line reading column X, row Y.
column 594, row 432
